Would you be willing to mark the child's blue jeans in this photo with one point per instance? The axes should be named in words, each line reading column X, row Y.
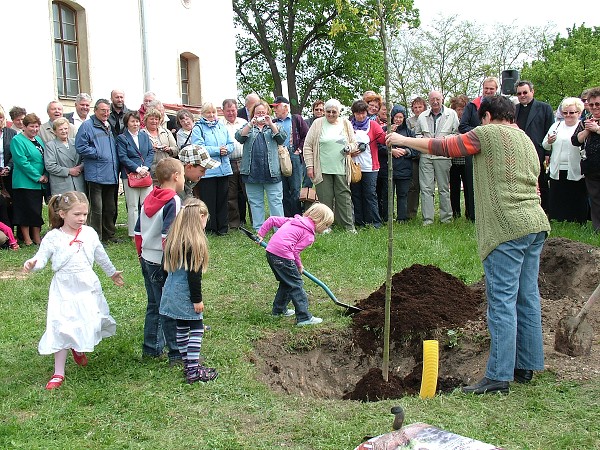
column 290, row 287
column 158, row 329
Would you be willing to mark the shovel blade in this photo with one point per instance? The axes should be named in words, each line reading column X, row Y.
column 573, row 337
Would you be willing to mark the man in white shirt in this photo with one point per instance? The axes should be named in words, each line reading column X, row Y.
column 83, row 102
column 55, row 111
column 237, row 192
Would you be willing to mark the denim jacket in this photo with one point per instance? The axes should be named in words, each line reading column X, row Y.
column 272, row 140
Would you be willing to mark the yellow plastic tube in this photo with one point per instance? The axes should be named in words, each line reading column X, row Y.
column 430, row 368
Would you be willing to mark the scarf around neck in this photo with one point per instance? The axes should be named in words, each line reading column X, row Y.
column 362, row 125
column 209, row 123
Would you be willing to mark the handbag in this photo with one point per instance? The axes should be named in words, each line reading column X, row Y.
column 285, row 162
column 134, row 180
column 355, row 171
column 308, row 194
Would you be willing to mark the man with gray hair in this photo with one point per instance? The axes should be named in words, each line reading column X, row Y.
column 83, row 102
column 251, row 100
column 147, row 103
column 296, row 129
column 55, row 111
column 436, row 122
column 96, row 144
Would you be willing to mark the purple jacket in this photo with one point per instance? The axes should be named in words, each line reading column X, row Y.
column 293, row 236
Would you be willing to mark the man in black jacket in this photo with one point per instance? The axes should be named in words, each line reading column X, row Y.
column 535, row 118
column 117, row 111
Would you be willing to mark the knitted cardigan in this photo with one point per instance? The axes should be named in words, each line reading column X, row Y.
column 312, row 149
column 505, row 172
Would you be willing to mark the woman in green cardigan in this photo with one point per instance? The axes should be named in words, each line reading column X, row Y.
column 29, row 178
column 511, row 228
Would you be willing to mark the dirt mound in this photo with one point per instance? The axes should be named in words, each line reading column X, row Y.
column 430, row 304
column 568, row 269
column 424, row 299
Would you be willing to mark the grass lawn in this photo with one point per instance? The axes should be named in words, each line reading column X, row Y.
column 120, row 401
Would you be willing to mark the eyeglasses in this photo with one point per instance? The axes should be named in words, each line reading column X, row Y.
column 594, row 105
column 331, row 111
column 584, row 100
column 569, row 113
column 523, row 93
column 318, row 109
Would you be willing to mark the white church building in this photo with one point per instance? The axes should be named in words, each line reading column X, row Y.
column 182, row 50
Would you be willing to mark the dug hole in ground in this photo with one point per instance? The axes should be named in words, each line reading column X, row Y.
column 428, row 303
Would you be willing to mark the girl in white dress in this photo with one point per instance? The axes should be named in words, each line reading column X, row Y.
column 78, row 315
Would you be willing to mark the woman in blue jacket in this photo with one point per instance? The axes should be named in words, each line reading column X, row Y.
column 135, row 156
column 214, row 185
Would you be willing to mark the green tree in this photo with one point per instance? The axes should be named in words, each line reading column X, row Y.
column 318, row 49
column 567, row 66
column 455, row 56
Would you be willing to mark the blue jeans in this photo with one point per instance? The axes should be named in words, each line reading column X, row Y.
column 364, row 198
column 157, row 328
column 291, row 287
column 291, row 187
column 514, row 312
column 256, row 199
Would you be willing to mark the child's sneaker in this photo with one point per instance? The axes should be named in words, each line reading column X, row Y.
column 80, row 358
column 55, row 382
column 201, row 373
column 286, row 313
column 312, row 321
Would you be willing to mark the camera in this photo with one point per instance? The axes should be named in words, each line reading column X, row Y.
column 260, row 119
column 362, row 146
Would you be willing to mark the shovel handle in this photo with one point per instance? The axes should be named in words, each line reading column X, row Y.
column 588, row 304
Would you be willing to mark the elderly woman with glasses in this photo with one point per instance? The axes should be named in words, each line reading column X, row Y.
column 587, row 136
column 325, row 147
column 568, row 195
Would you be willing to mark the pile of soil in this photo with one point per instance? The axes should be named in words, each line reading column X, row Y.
column 428, row 303
column 423, row 299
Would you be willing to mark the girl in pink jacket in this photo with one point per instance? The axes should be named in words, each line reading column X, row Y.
column 283, row 255
column 6, row 235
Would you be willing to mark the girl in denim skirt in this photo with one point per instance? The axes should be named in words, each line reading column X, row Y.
column 283, row 255
column 186, row 258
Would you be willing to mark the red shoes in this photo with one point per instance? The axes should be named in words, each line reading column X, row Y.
column 55, row 382
column 80, row 358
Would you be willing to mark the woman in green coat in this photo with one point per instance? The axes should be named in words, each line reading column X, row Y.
column 29, row 178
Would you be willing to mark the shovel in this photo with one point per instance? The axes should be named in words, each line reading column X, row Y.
column 349, row 308
column 574, row 334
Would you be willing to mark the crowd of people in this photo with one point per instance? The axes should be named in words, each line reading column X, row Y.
column 517, row 165
column 96, row 149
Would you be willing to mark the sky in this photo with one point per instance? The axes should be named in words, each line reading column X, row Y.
column 523, row 12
